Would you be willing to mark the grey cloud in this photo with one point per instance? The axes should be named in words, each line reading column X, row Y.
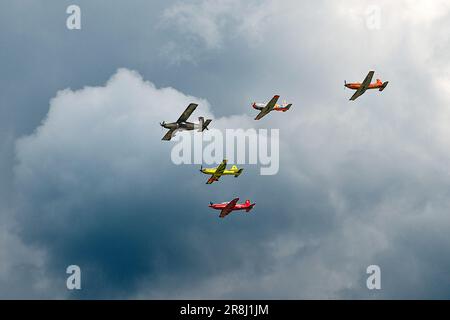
column 360, row 183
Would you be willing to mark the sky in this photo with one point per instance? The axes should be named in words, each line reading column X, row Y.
column 86, row 180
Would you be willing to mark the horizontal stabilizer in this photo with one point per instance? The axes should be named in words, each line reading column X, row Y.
column 384, row 85
column 250, row 208
column 203, row 124
column 207, row 122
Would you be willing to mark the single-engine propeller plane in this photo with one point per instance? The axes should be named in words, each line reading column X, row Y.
column 366, row 84
column 219, row 171
column 272, row 105
column 227, row 207
column 182, row 124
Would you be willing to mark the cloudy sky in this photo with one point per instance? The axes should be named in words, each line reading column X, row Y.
column 86, row 180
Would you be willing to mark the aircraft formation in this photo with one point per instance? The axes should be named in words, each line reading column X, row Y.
column 264, row 108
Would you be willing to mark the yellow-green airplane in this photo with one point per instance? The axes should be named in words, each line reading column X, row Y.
column 216, row 173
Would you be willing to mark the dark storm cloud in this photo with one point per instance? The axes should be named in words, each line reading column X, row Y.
column 126, row 212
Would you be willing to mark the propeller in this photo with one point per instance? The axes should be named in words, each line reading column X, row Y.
column 345, row 84
column 201, row 168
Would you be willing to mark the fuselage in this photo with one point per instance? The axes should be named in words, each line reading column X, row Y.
column 356, row 85
column 180, row 126
column 277, row 107
column 232, row 171
column 239, row 206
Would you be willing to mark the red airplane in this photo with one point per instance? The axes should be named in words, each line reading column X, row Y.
column 227, row 207
column 362, row 87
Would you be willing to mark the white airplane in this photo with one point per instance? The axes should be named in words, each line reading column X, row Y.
column 272, row 105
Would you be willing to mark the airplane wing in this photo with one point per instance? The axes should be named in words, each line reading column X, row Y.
column 229, row 207
column 187, row 113
column 221, row 168
column 267, row 108
column 212, row 179
column 219, row 171
column 168, row 135
column 364, row 85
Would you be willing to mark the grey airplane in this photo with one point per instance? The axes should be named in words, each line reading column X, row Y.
column 182, row 124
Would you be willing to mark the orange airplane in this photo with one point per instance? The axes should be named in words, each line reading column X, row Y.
column 362, row 87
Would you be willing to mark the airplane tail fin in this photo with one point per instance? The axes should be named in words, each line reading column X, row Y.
column 201, row 123
column 383, row 86
column 238, row 173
